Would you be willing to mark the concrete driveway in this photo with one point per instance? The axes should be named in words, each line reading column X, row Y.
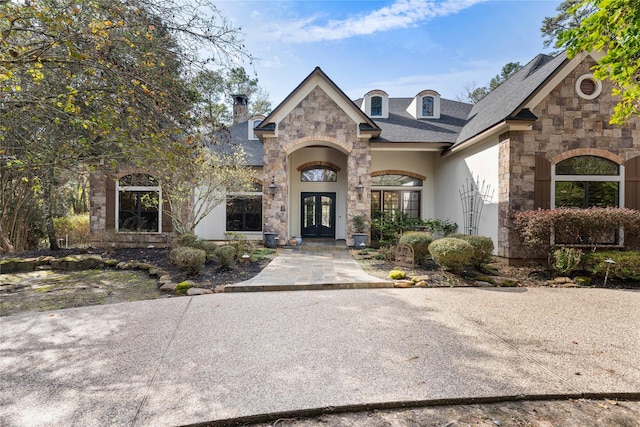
column 189, row 360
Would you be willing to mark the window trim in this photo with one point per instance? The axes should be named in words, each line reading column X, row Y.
column 138, row 188
column 585, row 178
column 596, row 92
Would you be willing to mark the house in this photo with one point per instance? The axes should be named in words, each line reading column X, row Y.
column 540, row 140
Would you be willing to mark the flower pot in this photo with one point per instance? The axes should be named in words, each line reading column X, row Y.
column 359, row 240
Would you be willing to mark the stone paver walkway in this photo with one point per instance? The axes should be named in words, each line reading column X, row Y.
column 311, row 268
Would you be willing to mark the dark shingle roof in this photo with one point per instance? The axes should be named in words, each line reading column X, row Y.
column 237, row 135
column 403, row 127
column 507, row 98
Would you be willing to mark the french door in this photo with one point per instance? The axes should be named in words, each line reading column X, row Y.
column 319, row 215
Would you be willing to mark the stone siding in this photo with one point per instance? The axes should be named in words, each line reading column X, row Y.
column 316, row 119
column 568, row 125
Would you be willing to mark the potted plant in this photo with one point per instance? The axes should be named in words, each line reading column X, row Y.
column 360, row 227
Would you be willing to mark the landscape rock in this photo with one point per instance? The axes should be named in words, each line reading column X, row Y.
column 17, row 265
column 422, row 284
column 403, row 284
column 482, row 284
column 169, row 287
column 562, row 280
column 199, row 291
column 218, row 289
column 77, row 262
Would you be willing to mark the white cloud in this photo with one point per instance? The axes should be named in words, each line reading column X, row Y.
column 399, row 15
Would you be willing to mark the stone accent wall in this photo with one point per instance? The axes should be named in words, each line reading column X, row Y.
column 566, row 122
column 316, row 119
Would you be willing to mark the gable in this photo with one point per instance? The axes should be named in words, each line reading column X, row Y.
column 317, row 80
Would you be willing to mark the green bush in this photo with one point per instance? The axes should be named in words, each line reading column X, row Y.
column 239, row 242
column 419, row 241
column 566, row 260
column 626, row 265
column 444, row 226
column 225, row 255
column 482, row 248
column 397, row 275
column 188, row 259
column 192, row 241
column 451, row 254
column 73, row 227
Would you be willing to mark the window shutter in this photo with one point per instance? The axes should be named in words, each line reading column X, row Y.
column 542, row 184
column 632, row 183
column 110, row 205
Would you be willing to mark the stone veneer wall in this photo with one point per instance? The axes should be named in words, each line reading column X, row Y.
column 317, row 118
column 99, row 235
column 566, row 122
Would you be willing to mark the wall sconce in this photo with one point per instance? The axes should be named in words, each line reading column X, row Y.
column 272, row 187
column 360, row 188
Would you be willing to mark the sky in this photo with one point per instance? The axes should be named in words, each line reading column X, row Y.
column 399, row 46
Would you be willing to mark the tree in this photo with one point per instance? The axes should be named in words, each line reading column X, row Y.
column 90, row 81
column 613, row 29
column 553, row 26
column 473, row 93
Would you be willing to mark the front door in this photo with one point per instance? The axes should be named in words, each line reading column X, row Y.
column 319, row 215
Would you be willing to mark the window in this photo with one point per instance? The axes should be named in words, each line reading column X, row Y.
column 138, row 203
column 396, row 200
column 244, row 211
column 587, row 181
column 427, row 106
column 376, row 106
column 587, row 87
column 318, row 174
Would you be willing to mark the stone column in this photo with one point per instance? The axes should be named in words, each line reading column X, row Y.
column 359, row 165
column 274, row 208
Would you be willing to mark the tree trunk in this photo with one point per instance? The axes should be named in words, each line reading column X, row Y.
column 47, row 184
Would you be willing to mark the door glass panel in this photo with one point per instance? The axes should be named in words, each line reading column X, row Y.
column 309, row 211
column 326, row 211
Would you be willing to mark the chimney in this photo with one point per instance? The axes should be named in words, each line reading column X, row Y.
column 240, row 108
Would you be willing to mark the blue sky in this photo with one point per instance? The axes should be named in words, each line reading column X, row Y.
column 399, row 46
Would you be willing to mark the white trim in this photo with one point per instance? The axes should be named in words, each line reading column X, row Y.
column 596, row 92
column 134, row 188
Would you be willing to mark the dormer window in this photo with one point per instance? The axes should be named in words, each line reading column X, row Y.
column 254, row 122
column 425, row 105
column 376, row 104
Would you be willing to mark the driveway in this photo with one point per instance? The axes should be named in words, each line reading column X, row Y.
column 189, row 360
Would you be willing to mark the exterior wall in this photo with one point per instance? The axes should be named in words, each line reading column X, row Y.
column 421, row 163
column 457, row 171
column 214, row 225
column 102, row 215
column 566, row 122
column 316, row 120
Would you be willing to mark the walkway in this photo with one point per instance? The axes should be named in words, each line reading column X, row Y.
column 312, row 266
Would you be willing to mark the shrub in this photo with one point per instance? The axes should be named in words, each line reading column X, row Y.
column 225, row 255
column 188, row 259
column 591, row 227
column 385, row 226
column 419, row 241
column 626, row 265
column 450, row 253
column 239, row 243
column 444, row 226
column 192, row 241
column 566, row 260
column 73, row 227
column 482, row 248
column 397, row 275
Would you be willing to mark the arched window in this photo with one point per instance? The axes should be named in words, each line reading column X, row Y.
column 390, row 194
column 318, row 173
column 586, row 181
column 427, row 106
column 138, row 203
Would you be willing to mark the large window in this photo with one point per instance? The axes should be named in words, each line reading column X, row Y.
column 391, row 194
column 587, row 181
column 244, row 211
column 138, row 203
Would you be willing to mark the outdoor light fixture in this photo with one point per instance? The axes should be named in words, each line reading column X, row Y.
column 360, row 187
column 272, row 187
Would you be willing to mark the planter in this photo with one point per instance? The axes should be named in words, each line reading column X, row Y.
column 359, row 240
column 271, row 240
